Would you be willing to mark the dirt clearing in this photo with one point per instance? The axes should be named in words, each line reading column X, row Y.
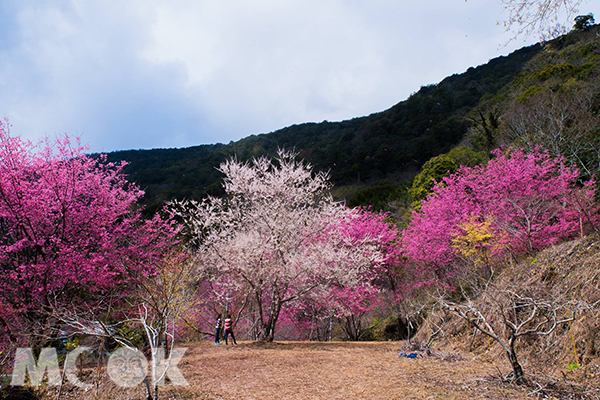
column 316, row 370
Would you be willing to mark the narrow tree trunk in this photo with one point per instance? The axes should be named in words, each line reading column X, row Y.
column 518, row 375
column 99, row 365
column 408, row 330
column 352, row 327
column 62, row 379
column 269, row 326
column 517, row 369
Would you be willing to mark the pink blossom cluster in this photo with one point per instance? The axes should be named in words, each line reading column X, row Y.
column 70, row 230
column 529, row 201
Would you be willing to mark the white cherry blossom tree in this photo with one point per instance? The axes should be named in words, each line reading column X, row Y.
column 275, row 237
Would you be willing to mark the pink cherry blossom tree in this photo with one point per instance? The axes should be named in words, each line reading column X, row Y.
column 373, row 232
column 71, row 234
column 517, row 204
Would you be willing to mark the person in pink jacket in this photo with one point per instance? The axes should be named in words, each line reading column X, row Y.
column 228, row 323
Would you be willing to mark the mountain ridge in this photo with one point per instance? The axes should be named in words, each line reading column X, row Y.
column 388, row 145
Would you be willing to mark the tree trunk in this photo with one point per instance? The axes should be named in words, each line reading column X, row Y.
column 352, row 327
column 518, row 375
column 269, row 327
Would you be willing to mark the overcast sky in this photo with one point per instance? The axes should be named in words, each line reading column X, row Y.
column 145, row 74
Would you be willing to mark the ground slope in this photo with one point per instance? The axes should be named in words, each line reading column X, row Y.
column 565, row 362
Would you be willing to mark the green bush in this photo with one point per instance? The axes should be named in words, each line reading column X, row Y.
column 433, row 171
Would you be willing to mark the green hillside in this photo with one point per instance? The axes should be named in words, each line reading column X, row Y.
column 371, row 157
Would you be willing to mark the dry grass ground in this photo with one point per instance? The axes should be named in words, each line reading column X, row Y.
column 313, row 370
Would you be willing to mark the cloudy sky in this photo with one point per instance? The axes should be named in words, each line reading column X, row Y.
column 145, row 74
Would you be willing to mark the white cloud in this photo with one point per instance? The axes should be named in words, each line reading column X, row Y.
column 142, row 74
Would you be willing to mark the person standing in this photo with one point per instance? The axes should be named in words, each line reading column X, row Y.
column 217, row 330
column 229, row 329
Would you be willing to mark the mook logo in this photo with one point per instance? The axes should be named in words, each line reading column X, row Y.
column 126, row 367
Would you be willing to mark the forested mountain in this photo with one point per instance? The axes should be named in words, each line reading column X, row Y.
column 373, row 155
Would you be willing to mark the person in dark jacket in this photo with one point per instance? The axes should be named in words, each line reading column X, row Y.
column 217, row 330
